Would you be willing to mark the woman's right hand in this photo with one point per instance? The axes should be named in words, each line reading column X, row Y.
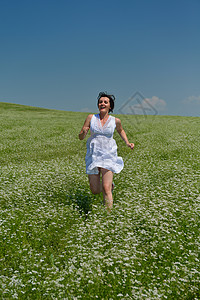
column 85, row 130
column 85, row 127
column 83, row 133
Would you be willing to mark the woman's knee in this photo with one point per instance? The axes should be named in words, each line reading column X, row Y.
column 94, row 189
column 107, row 187
column 94, row 181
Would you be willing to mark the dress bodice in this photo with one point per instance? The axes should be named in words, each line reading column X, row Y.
column 107, row 129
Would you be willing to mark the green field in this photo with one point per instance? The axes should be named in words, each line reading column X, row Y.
column 56, row 239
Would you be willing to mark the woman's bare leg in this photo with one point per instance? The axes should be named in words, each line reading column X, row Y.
column 95, row 183
column 107, row 179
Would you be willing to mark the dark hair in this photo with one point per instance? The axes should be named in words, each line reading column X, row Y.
column 110, row 97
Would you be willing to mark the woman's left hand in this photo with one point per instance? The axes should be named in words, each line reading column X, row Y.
column 131, row 145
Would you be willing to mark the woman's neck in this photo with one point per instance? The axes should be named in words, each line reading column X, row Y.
column 103, row 115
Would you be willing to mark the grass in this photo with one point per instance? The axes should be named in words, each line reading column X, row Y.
column 58, row 242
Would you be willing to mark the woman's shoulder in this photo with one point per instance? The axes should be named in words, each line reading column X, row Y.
column 117, row 121
column 89, row 117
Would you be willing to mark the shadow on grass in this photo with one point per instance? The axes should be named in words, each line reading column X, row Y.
column 80, row 198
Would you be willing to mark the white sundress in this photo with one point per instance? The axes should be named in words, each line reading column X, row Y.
column 102, row 148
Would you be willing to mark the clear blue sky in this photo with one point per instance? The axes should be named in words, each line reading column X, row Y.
column 60, row 54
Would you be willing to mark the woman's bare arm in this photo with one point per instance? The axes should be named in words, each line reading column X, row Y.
column 122, row 133
column 85, row 128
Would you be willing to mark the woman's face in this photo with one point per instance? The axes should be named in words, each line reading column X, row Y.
column 104, row 104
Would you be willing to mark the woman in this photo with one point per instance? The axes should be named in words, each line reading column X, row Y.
column 101, row 157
